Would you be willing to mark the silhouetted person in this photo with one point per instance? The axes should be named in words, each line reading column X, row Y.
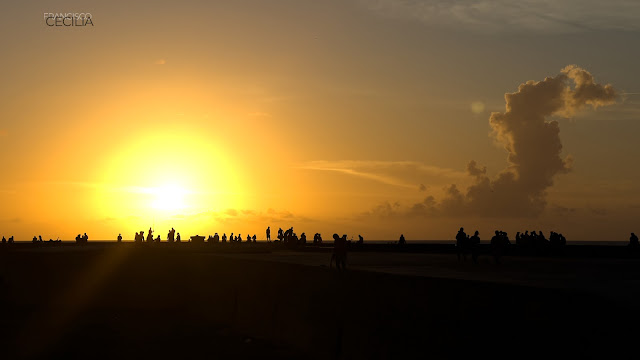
column 474, row 243
column 35, row 239
column 40, row 238
column 11, row 240
column 239, row 238
column 224, row 237
column 85, row 238
column 178, row 238
column 461, row 244
column 119, row 237
column 280, row 235
column 402, row 241
column 158, row 238
column 633, row 241
column 248, row 238
column 498, row 243
column 288, row 235
column 4, row 240
column 150, row 235
column 268, row 233
column 339, row 252
column 254, row 238
column 360, row 240
column 303, row 239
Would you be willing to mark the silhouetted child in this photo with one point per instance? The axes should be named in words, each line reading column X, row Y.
column 178, row 238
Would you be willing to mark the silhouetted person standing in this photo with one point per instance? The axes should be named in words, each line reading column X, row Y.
column 402, row 241
column 461, row 244
column 474, row 242
column 633, row 241
column 498, row 243
column 339, row 252
column 4, row 240
column 178, row 238
column 268, row 233
column 119, row 237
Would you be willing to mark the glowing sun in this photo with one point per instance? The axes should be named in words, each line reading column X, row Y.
column 169, row 197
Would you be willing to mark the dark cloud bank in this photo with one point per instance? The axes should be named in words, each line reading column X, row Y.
column 532, row 140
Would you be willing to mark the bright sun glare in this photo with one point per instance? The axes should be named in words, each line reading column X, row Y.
column 168, row 197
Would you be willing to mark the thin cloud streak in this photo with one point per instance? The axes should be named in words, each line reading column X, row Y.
column 562, row 16
column 403, row 174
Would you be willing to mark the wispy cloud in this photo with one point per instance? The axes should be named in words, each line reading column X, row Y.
column 259, row 114
column 492, row 16
column 407, row 174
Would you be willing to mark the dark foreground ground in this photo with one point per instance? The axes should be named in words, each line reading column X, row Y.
column 127, row 301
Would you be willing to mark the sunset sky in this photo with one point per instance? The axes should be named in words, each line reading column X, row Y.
column 350, row 116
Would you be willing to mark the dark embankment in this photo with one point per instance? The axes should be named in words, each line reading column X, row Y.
column 126, row 302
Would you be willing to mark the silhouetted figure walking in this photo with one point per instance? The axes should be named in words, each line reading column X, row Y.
column 268, row 233
column 119, row 237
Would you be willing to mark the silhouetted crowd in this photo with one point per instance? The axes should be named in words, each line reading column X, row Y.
column 539, row 241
